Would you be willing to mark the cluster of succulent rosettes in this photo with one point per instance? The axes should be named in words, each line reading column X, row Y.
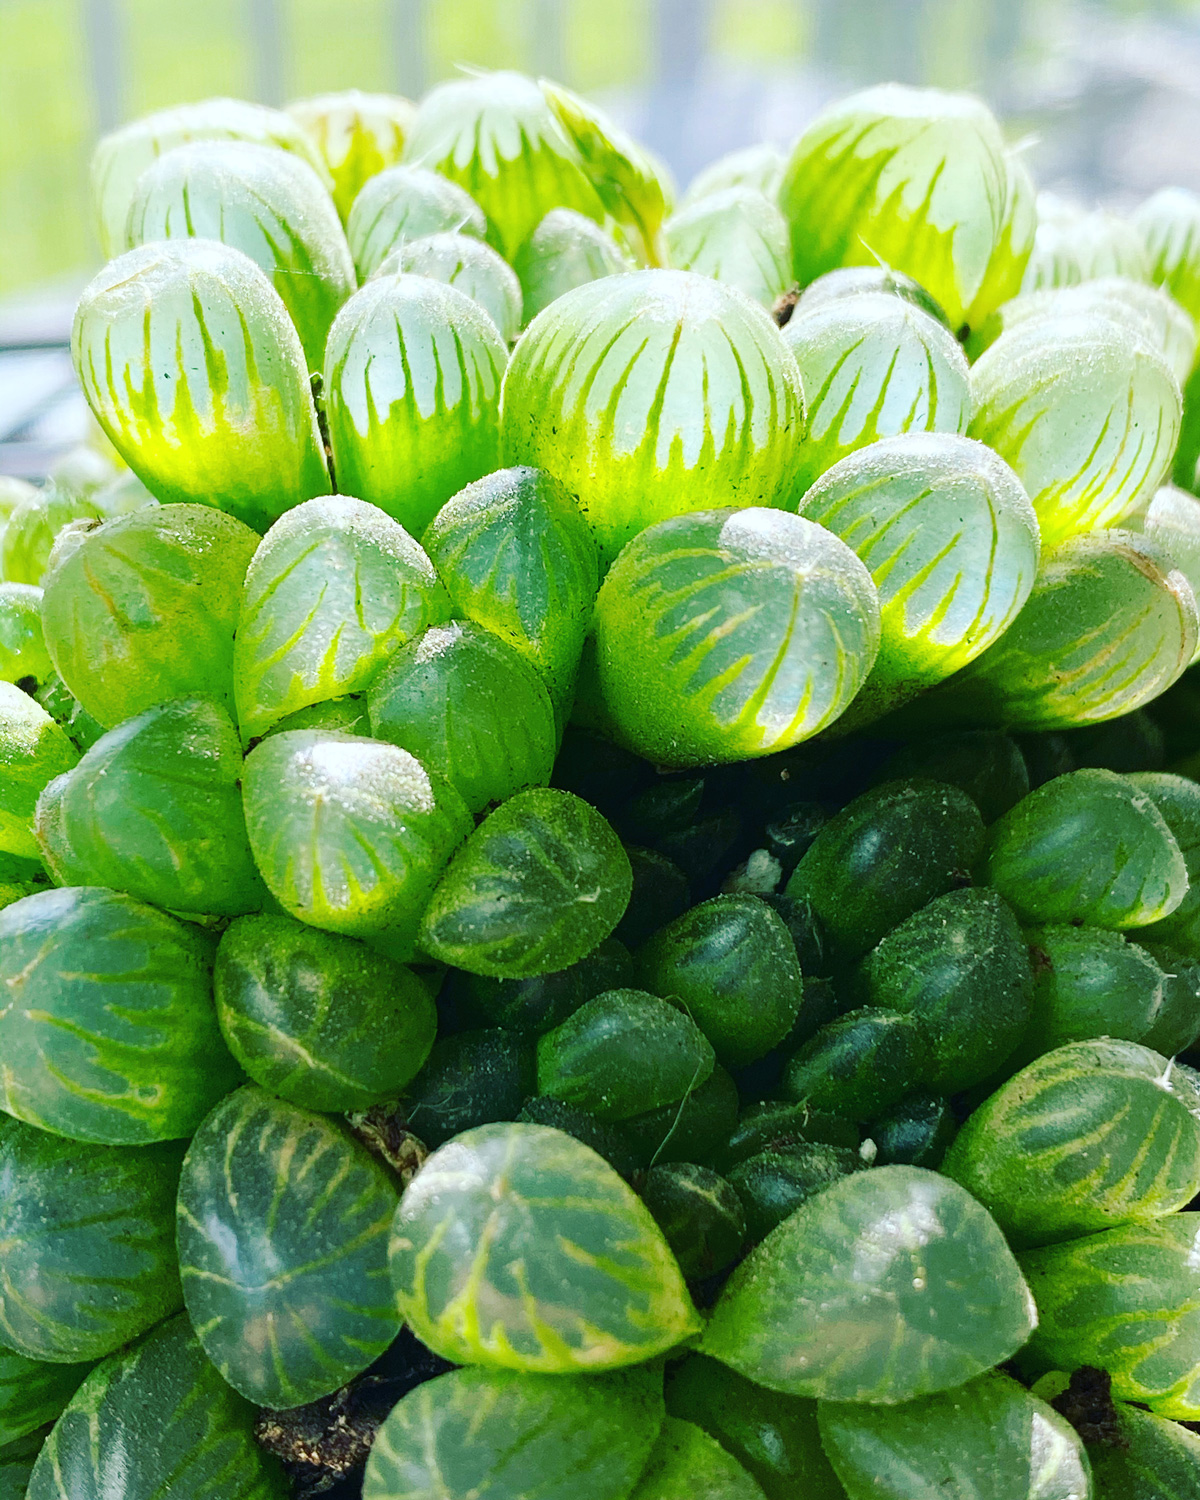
column 446, row 1007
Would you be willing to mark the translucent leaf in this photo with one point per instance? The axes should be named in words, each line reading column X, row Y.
column 1168, row 224
column 33, row 751
column 1070, row 248
column 283, row 1222
column 22, row 644
column 468, row 264
column 334, row 587
column 33, row 527
column 357, row 135
column 518, row 1247
column 269, row 204
column 738, row 237
column 412, row 379
column 406, row 203
column 195, row 372
column 566, row 250
column 758, row 167
column 653, row 394
column 732, row 633
column 1172, row 521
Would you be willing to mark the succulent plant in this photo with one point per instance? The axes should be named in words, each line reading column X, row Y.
column 467, row 263
column 737, row 236
column 357, row 135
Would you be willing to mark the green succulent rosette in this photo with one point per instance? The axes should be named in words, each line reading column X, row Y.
column 566, row 250
column 357, row 135
column 319, row 1019
column 759, row 167
column 1126, row 1301
column 471, row 709
column 732, row 633
column 195, row 372
column 35, row 524
column 32, row 1393
column 990, row 1438
column 653, row 394
column 738, row 237
column 23, row 654
column 334, row 588
column 506, row 1435
column 1110, row 624
column 282, row 1230
column 108, row 1030
column 122, row 156
column 1153, row 1458
column 89, row 1247
column 406, row 203
column 349, row 834
column 872, row 366
column 33, row 751
column 633, row 185
column 540, row 883
column 1135, row 872
column 888, row 1285
column 497, row 136
column 1085, row 411
column 269, row 204
column 1087, row 1137
column 154, row 809
column 952, row 545
column 516, row 556
column 194, row 1436
column 412, row 381
column 468, row 264
column 920, row 179
column 1071, row 247
column 517, row 1247
column 144, row 609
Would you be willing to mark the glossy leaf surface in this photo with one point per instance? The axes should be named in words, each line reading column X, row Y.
column 22, row 644
column 33, row 751
column 32, row 1393
column 462, row 261
column 406, row 203
column 566, row 250
column 737, row 236
column 687, row 1464
column 357, row 135
column 1160, row 1462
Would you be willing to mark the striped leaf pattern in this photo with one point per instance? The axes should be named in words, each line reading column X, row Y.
column 687, row 1462
column 471, row 266
column 357, row 135
column 269, row 204
column 32, row 1393
column 1161, row 1460
column 951, row 542
column 195, row 371
column 33, row 751
column 885, row 1286
column 412, row 380
column 108, row 1031
column 732, row 633
column 87, row 1245
column 737, row 236
column 494, row 1433
column 403, row 204
column 566, row 250
column 1087, row 412
column 1169, row 225
column 1072, row 248
column 517, row 1247
column 652, row 394
column 22, row 644
column 872, row 366
column 334, row 588
column 157, row 1420
column 1089, row 1136
column 349, row 834
column 282, row 1224
column 1128, row 1301
column 16, row 1465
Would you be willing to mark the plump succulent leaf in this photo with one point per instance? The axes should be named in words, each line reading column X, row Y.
column 859, row 1064
column 122, row 156
column 1089, row 1136
column 699, row 1212
column 33, row 751
column 920, row 179
column 504, row 1435
column 1171, row 521
column 732, row 633
column 518, row 1247
column 989, row 1440
column 1168, row 223
column 1178, row 800
column 1124, row 1300
column 269, row 204
column 872, row 366
column 319, row 1019
column 23, row 652
column 1071, row 246
column 566, row 250
column 412, row 381
column 952, row 544
column 888, row 1285
column 89, row 1258
column 737, row 236
column 334, row 588
column 1157, row 1460
column 688, row 1464
column 462, row 261
column 32, row 1393
column 653, row 394
column 356, row 134
column 194, row 1435
column 195, row 372
column 773, row 1184
column 405, row 203
column 534, row 888
column 144, row 608
column 154, row 809
column 349, row 834
column 471, row 709
column 108, row 1030
column 758, row 167
column 1089, row 982
column 282, row 1224
column 33, row 527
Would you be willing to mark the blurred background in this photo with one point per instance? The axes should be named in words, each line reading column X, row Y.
column 1105, row 92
